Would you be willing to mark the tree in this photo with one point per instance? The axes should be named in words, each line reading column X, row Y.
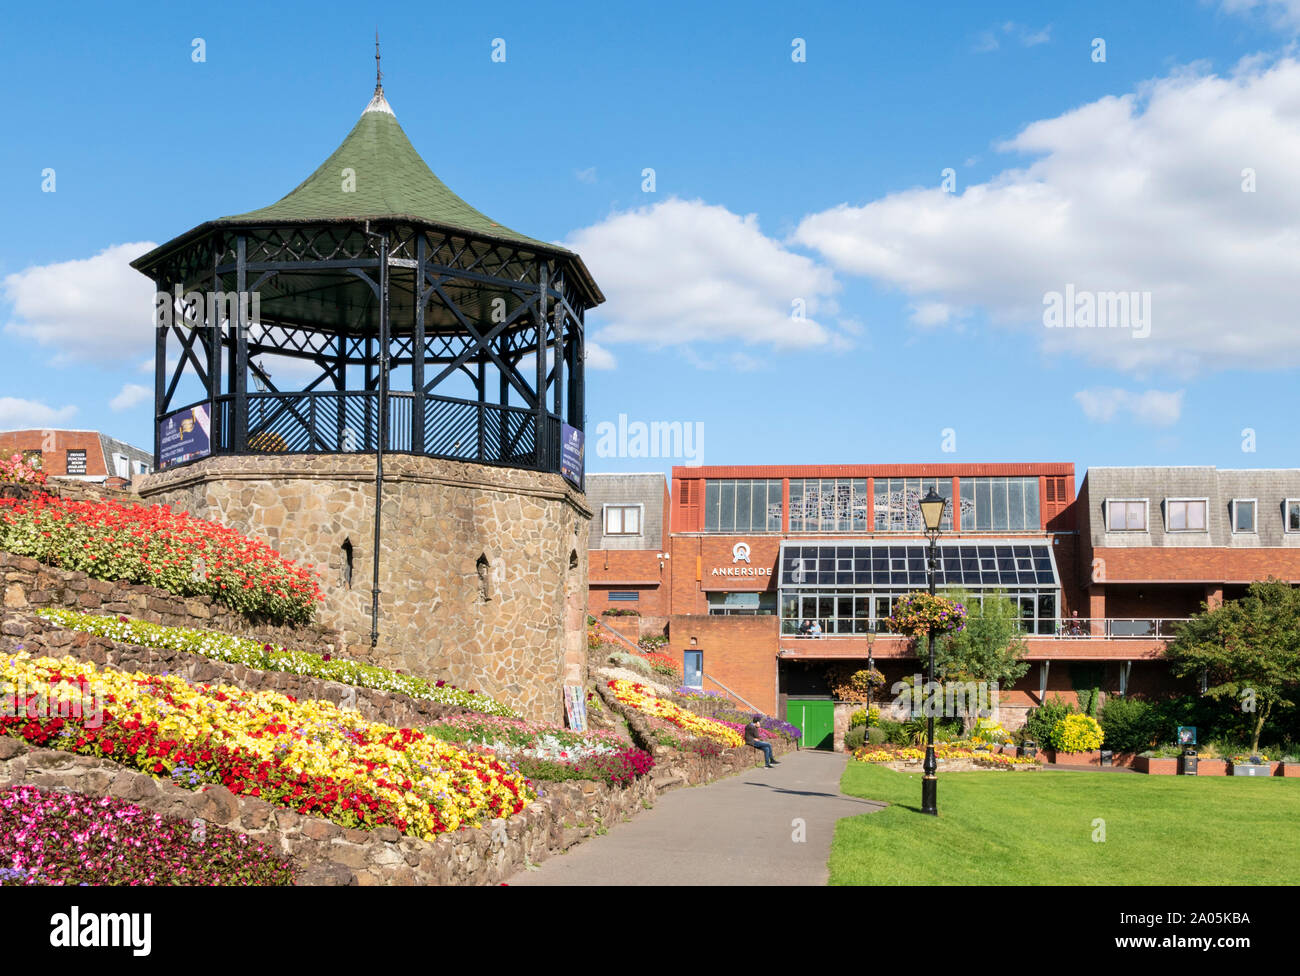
column 991, row 648
column 1248, row 650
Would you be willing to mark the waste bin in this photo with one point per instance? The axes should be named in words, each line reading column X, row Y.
column 1187, row 762
column 1029, row 749
column 1107, row 757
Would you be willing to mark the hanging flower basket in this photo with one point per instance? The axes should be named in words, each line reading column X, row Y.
column 866, row 679
column 918, row 614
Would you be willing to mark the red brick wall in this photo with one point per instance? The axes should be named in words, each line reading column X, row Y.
column 738, row 651
column 1186, row 564
column 55, row 459
column 628, row 569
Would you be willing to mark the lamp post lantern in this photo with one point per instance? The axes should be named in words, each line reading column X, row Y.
column 932, row 506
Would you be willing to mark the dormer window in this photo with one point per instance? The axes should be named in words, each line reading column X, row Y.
column 1291, row 515
column 1186, row 514
column 1243, row 516
column 1126, row 515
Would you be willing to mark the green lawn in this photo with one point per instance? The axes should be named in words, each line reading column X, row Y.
column 1037, row 828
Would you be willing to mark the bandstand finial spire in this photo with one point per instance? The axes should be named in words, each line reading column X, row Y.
column 379, row 75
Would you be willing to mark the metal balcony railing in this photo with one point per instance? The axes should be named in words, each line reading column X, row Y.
column 1073, row 628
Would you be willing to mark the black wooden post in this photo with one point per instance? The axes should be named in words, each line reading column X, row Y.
column 214, row 352
column 240, row 443
column 539, row 316
column 159, row 371
column 417, row 350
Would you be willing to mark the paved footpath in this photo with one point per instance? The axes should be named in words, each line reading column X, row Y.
column 735, row 831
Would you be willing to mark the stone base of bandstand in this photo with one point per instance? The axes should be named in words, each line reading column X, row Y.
column 482, row 570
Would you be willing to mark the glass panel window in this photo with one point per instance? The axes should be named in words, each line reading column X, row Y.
column 742, row 505
column 1000, row 504
column 1127, row 515
column 1243, row 515
column 828, row 505
column 1292, row 520
column 1186, row 514
column 897, row 502
column 622, row 520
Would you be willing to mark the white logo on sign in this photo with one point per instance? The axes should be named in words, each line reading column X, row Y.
column 740, row 552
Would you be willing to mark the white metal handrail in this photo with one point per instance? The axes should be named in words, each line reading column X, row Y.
column 1072, row 628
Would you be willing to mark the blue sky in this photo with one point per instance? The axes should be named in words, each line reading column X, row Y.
column 777, row 182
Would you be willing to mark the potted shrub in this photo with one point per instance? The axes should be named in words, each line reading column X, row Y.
column 1076, row 740
column 1254, row 764
column 1211, row 762
column 1162, row 761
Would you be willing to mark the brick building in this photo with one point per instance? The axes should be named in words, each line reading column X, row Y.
column 1100, row 578
column 85, row 455
column 627, row 547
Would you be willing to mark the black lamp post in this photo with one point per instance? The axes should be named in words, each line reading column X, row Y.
column 932, row 506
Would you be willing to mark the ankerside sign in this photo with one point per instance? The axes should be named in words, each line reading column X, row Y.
column 739, row 555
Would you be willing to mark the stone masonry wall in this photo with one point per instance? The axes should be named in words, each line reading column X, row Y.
column 31, row 585
column 325, row 853
column 675, row 768
column 517, row 635
column 42, row 638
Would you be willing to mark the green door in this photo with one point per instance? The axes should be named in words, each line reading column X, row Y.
column 815, row 718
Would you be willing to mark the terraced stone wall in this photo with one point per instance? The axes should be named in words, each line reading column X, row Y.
column 482, row 570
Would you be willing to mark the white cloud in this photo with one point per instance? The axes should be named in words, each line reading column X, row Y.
column 16, row 414
column 990, row 40
column 684, row 271
column 929, row 314
column 96, row 309
column 598, row 357
column 1155, row 408
column 129, row 396
column 1135, row 193
column 1283, row 14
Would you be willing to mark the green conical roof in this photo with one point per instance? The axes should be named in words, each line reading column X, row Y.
column 388, row 180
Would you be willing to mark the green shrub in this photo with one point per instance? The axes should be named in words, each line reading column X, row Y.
column 1041, row 720
column 1089, row 701
column 876, row 737
column 1130, row 724
column 855, row 737
column 1077, row 733
column 632, row 661
column 894, row 733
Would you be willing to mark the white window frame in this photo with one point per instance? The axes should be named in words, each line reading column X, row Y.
column 1286, row 511
column 622, row 507
column 1203, row 501
column 121, row 464
column 1255, row 504
column 1146, row 514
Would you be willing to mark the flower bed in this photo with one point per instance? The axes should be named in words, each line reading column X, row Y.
column 948, row 752
column 643, row 699
column 152, row 544
column 310, row 756
column 265, row 657
column 15, row 470
column 48, row 837
column 549, row 752
column 663, row 665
